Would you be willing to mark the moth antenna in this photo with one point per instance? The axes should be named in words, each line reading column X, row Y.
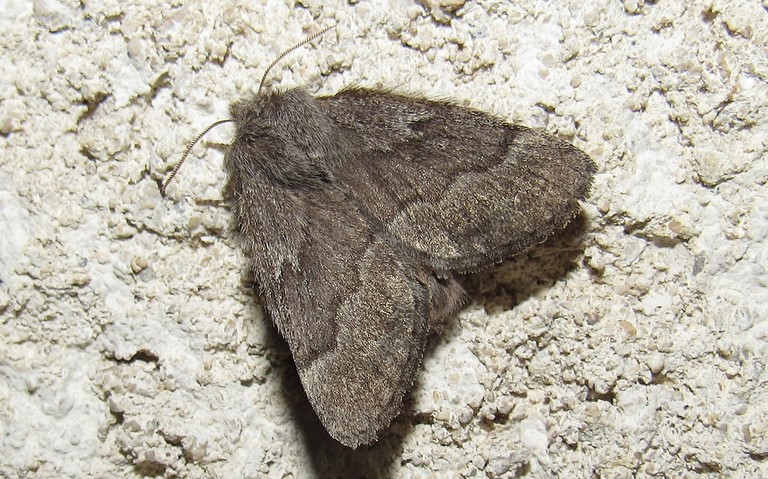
column 186, row 153
column 286, row 52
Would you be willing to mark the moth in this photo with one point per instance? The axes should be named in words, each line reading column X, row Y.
column 358, row 210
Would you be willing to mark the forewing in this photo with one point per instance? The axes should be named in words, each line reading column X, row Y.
column 458, row 187
column 355, row 315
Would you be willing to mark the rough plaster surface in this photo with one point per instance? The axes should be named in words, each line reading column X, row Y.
column 632, row 345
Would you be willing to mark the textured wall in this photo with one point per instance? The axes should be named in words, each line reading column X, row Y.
column 631, row 345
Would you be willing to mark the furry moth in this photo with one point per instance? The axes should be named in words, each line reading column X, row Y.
column 357, row 210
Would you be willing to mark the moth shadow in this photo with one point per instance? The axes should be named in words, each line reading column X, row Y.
column 511, row 282
column 498, row 288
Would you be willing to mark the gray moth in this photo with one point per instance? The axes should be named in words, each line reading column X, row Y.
column 357, row 212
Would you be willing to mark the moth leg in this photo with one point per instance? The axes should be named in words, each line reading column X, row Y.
column 446, row 297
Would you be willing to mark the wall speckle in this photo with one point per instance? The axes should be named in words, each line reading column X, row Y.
column 634, row 344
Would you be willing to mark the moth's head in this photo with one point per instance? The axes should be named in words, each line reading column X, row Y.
column 246, row 111
column 274, row 115
column 284, row 136
column 254, row 117
column 258, row 135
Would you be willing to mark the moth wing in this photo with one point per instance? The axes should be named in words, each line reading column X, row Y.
column 460, row 188
column 355, row 315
